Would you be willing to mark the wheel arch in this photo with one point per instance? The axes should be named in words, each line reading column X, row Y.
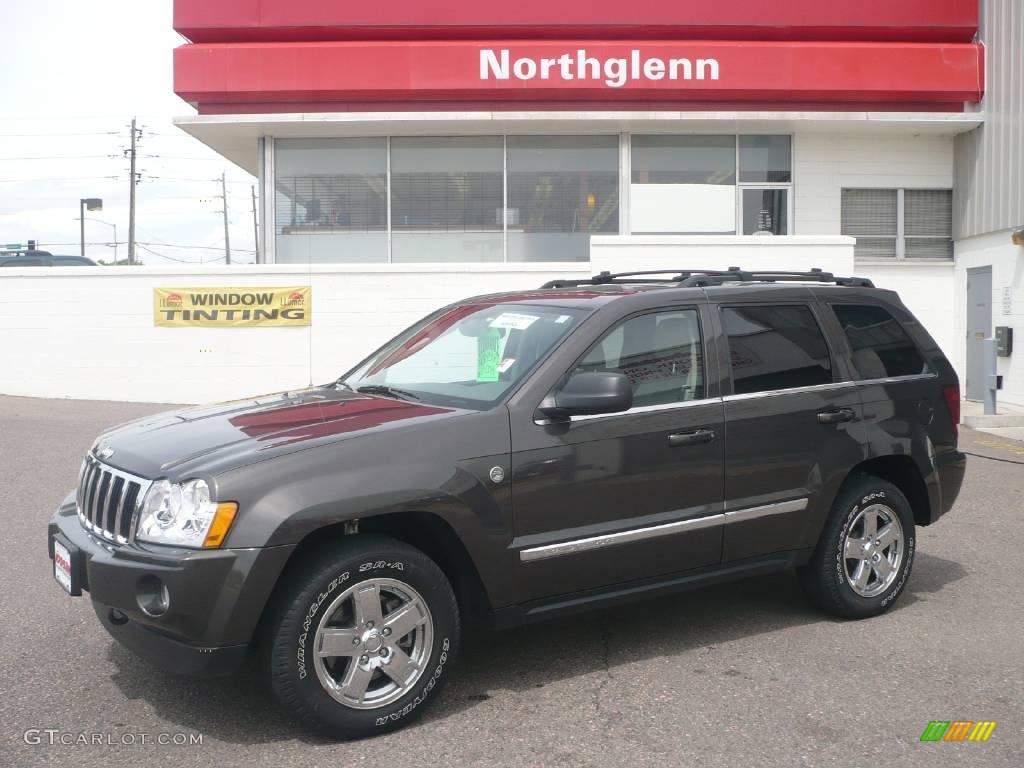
column 426, row 531
column 903, row 472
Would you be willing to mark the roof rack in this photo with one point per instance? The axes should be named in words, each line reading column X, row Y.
column 699, row 278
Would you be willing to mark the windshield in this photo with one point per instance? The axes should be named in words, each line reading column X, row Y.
column 467, row 356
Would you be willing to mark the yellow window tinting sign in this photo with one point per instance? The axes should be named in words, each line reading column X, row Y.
column 232, row 307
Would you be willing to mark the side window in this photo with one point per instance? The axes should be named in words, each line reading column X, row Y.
column 775, row 347
column 660, row 353
column 881, row 347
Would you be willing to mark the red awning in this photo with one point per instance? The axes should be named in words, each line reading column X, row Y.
column 506, row 73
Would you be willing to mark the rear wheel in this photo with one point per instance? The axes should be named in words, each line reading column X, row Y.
column 364, row 638
column 865, row 552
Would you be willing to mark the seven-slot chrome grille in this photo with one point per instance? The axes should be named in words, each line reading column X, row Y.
column 109, row 500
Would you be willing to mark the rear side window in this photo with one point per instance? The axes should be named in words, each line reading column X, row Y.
column 660, row 354
column 775, row 347
column 881, row 347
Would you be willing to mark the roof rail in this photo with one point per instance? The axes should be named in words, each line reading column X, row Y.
column 699, row 278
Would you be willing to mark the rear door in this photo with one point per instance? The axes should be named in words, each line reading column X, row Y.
column 601, row 500
column 792, row 424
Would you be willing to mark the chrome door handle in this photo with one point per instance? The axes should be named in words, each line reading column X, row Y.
column 696, row 437
column 836, row 417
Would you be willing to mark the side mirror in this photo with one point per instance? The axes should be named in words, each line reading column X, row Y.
column 589, row 393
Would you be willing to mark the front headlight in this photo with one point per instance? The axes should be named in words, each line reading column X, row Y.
column 184, row 515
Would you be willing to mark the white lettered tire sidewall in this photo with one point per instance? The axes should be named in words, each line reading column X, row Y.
column 293, row 672
column 894, row 500
column 823, row 576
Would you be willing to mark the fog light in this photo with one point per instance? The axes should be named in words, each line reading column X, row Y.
column 152, row 596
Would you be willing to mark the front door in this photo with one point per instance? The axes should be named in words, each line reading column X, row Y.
column 979, row 328
column 609, row 499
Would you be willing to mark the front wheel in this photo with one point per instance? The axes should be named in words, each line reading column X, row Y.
column 865, row 552
column 365, row 637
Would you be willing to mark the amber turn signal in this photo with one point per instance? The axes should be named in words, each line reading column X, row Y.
column 221, row 524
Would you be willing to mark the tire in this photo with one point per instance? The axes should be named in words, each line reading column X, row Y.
column 847, row 579
column 380, row 680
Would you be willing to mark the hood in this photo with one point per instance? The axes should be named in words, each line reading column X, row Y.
column 212, row 439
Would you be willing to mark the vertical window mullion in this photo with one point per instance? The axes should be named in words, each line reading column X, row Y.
column 738, row 208
column 901, row 247
column 625, row 182
column 387, row 187
column 504, row 198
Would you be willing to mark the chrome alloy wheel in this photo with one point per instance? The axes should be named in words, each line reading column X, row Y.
column 373, row 643
column 873, row 550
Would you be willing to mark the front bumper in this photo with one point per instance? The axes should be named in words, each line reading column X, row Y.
column 216, row 596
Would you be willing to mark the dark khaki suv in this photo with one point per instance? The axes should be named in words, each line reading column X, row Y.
column 514, row 457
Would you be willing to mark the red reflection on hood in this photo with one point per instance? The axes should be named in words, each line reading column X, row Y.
column 310, row 421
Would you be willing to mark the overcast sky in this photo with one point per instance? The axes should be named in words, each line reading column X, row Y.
column 73, row 73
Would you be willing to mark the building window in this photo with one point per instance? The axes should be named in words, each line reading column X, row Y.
column 446, row 199
column 775, row 347
column 710, row 184
column 331, row 200
column 561, row 190
column 899, row 223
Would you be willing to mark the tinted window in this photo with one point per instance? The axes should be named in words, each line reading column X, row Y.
column 881, row 348
column 660, row 354
column 775, row 348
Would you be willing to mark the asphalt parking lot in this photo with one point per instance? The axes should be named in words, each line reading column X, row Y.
column 739, row 675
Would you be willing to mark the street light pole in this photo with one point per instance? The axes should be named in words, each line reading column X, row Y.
column 84, row 204
column 109, row 224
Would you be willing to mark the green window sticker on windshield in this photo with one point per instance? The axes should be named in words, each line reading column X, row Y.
column 488, row 355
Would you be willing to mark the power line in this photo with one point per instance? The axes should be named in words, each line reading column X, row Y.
column 62, row 157
column 69, row 178
column 43, row 135
column 200, row 247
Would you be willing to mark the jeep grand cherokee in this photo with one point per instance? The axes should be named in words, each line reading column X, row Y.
column 514, row 457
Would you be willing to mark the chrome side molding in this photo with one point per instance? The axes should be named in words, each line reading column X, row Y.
column 589, row 543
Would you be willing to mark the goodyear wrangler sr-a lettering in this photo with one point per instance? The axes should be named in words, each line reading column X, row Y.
column 513, row 457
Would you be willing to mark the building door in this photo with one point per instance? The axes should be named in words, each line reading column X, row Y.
column 979, row 328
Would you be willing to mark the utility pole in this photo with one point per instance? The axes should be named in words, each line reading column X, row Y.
column 132, row 181
column 227, row 236
column 255, row 225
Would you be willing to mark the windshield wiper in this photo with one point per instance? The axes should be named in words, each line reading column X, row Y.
column 381, row 389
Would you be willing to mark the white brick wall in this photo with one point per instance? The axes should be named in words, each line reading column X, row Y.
column 823, row 164
column 1007, row 262
column 89, row 333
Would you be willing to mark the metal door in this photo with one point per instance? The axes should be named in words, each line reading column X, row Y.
column 979, row 327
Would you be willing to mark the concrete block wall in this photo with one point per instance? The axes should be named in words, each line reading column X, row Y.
column 823, row 164
column 1007, row 261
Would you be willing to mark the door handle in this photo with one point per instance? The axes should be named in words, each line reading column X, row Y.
column 836, row 417
column 696, row 437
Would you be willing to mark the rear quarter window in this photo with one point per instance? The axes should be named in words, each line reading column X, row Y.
column 881, row 346
column 775, row 347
